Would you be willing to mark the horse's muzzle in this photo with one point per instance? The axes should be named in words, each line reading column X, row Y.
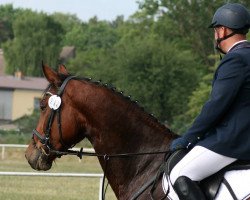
column 37, row 158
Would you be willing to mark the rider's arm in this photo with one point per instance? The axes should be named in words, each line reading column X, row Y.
column 228, row 80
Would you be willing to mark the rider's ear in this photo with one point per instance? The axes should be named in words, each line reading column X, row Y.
column 51, row 75
column 62, row 70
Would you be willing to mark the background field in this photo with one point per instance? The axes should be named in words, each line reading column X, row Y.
column 56, row 188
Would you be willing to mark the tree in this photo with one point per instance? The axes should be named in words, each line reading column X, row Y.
column 27, row 122
column 94, row 42
column 7, row 14
column 37, row 38
column 196, row 100
column 160, row 75
column 74, row 30
column 67, row 21
column 152, row 69
column 187, row 22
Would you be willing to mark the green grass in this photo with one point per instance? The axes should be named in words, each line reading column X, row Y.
column 14, row 137
column 56, row 188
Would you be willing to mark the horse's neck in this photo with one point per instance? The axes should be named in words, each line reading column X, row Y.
column 127, row 175
column 116, row 126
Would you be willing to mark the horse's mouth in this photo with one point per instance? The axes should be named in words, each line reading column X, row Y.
column 38, row 158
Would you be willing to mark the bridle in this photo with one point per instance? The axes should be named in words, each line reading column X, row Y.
column 45, row 139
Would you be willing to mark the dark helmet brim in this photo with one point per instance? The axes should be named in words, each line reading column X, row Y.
column 212, row 25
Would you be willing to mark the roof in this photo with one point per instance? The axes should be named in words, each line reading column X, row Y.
column 29, row 83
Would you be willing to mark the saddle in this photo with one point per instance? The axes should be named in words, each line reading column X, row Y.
column 210, row 186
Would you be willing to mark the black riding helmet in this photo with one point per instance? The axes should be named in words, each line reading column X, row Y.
column 232, row 15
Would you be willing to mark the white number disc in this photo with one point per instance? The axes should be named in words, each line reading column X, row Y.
column 54, row 102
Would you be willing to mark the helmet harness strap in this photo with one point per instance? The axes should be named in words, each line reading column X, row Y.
column 219, row 40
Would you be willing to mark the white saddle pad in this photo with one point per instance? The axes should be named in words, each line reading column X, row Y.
column 239, row 181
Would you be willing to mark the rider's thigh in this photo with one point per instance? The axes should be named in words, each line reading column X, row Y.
column 200, row 163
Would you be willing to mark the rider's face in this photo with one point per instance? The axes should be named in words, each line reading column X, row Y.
column 218, row 32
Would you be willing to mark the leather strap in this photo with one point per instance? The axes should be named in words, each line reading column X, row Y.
column 229, row 188
column 61, row 89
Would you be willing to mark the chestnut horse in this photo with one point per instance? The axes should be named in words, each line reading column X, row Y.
column 113, row 124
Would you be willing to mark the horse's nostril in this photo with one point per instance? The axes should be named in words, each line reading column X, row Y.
column 38, row 159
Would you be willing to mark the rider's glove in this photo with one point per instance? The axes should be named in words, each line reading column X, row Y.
column 179, row 143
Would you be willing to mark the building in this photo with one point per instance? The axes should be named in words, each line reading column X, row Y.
column 19, row 95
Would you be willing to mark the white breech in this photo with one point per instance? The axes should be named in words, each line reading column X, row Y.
column 199, row 163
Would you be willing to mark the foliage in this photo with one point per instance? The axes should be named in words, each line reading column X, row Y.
column 188, row 22
column 159, row 55
column 23, row 134
column 13, row 137
column 37, row 38
column 159, row 76
column 196, row 100
column 28, row 122
column 94, row 35
column 151, row 69
column 7, row 14
column 67, row 21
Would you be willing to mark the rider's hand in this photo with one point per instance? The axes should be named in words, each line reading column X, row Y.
column 179, row 143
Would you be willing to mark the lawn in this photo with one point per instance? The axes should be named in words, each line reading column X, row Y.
column 56, row 188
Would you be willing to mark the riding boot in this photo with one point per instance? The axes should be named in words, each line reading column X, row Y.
column 187, row 189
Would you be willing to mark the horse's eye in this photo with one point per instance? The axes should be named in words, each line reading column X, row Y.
column 42, row 104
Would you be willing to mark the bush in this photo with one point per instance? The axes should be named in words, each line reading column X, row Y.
column 14, row 137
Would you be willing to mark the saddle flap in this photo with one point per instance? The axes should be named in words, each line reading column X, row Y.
column 210, row 186
column 238, row 165
column 174, row 158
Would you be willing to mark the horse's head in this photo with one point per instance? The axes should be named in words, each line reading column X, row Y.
column 74, row 108
column 60, row 125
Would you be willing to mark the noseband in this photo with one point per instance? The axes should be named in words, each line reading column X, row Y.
column 45, row 139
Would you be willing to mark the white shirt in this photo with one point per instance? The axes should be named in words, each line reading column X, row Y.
column 236, row 44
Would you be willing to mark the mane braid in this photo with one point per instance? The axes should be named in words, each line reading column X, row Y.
column 120, row 93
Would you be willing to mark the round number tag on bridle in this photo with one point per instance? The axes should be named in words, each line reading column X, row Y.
column 54, row 102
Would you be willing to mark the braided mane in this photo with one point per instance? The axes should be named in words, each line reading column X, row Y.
column 113, row 89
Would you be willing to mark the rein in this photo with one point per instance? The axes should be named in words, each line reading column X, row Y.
column 107, row 157
column 45, row 140
column 81, row 153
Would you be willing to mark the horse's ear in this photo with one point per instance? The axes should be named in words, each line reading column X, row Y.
column 50, row 75
column 62, row 70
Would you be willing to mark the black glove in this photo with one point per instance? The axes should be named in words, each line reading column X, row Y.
column 179, row 143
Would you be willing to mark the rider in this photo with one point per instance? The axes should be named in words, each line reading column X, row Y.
column 220, row 134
